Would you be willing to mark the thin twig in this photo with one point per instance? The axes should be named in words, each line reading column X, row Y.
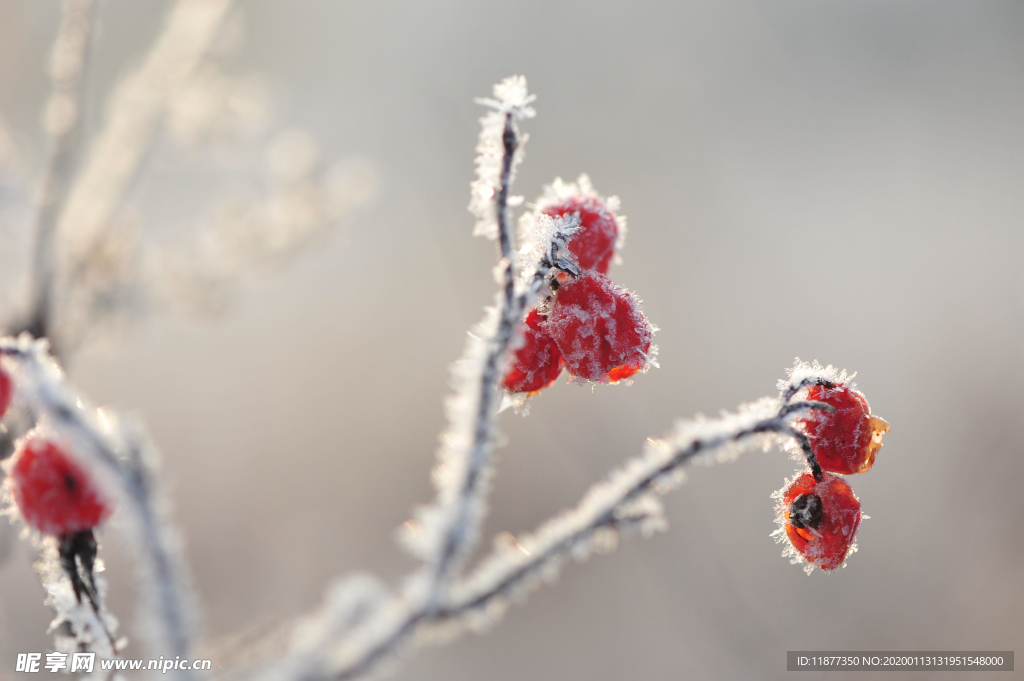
column 116, row 156
column 69, row 69
column 626, row 501
column 509, row 568
column 456, row 541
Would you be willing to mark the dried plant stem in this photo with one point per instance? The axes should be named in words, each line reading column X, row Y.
column 131, row 128
column 627, row 500
column 64, row 116
column 458, row 539
column 510, row 568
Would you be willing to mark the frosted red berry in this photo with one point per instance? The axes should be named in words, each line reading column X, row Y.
column 594, row 244
column 820, row 519
column 537, row 363
column 599, row 329
column 844, row 441
column 54, row 493
column 6, row 391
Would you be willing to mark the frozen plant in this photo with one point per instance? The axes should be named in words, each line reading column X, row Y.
column 556, row 277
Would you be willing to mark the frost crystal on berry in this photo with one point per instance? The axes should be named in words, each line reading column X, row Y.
column 601, row 235
column 600, row 329
column 819, row 520
column 845, row 440
column 537, row 363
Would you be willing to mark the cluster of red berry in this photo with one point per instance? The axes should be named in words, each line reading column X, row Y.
column 589, row 326
column 820, row 515
column 56, row 496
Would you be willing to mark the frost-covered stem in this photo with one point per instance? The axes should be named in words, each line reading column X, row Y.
column 510, row 143
column 64, row 116
column 458, row 539
column 157, row 543
column 627, row 500
column 122, row 456
column 808, row 451
column 390, row 626
column 805, row 444
column 497, row 576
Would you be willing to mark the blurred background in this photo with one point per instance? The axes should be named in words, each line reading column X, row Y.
column 835, row 181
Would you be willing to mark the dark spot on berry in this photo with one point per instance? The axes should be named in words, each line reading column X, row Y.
column 805, row 511
column 69, row 482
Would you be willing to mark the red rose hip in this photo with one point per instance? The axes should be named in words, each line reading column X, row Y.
column 537, row 363
column 844, row 441
column 819, row 519
column 53, row 492
column 600, row 329
column 594, row 244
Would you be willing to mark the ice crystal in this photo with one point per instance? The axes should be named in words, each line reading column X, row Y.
column 511, row 102
column 76, row 624
column 803, row 374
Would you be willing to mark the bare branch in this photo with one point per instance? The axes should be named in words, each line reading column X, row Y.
column 627, row 500
column 69, row 66
column 132, row 125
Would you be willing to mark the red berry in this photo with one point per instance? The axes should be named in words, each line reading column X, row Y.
column 594, row 244
column 600, row 329
column 6, row 391
column 537, row 363
column 53, row 492
column 844, row 441
column 820, row 518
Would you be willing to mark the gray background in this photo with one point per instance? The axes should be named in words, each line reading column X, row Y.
column 837, row 181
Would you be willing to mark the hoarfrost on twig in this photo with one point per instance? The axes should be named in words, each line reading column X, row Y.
column 495, row 167
column 627, row 501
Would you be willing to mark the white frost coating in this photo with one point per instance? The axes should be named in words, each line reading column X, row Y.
column 511, row 98
column 422, row 535
column 76, row 625
column 627, row 500
column 348, row 604
column 811, row 373
column 544, row 239
column 119, row 455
